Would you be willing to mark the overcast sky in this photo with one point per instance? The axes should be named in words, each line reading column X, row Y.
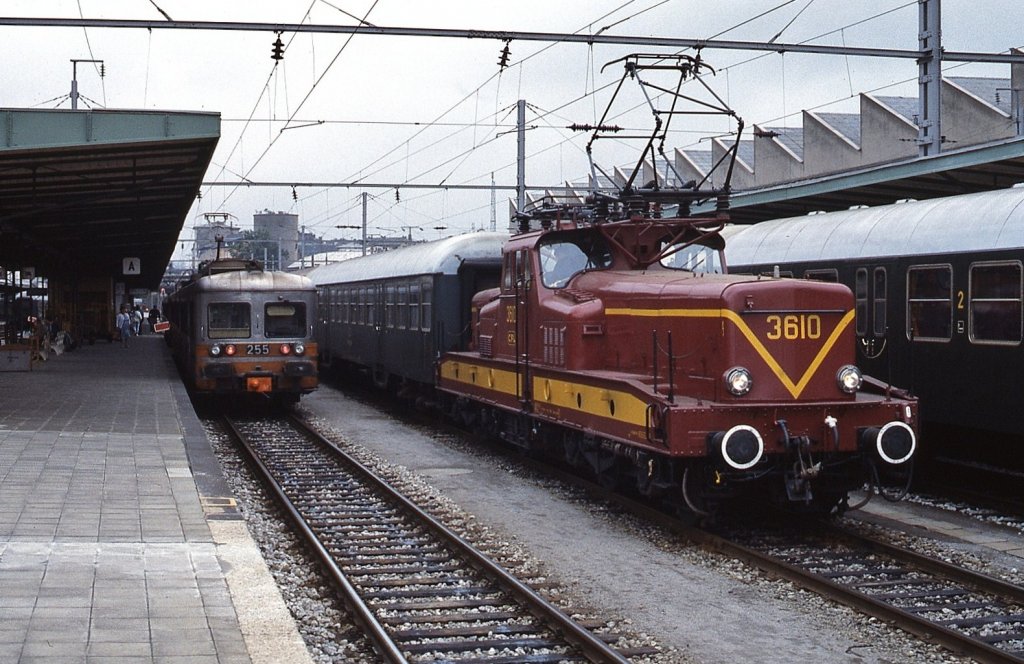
column 377, row 96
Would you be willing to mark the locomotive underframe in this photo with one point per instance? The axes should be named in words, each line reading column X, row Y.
column 623, row 432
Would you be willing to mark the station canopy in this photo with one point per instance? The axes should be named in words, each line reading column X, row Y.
column 82, row 191
column 995, row 165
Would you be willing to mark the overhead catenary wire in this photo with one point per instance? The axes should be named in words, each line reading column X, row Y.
column 316, row 83
column 592, row 93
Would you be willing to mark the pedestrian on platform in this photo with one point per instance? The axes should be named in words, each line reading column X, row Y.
column 124, row 325
column 136, row 320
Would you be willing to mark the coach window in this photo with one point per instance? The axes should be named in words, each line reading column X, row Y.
column 995, row 306
column 321, row 304
column 860, row 292
column 229, row 320
column 878, row 290
column 930, row 303
column 389, row 301
column 427, row 301
column 830, row 275
column 414, row 306
column 403, row 307
column 285, row 319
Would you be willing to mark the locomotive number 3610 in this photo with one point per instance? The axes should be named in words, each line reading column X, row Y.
column 803, row 326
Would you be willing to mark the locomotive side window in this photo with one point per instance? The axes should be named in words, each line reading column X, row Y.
column 930, row 303
column 285, row 319
column 229, row 320
column 995, row 305
column 879, row 307
column 860, row 292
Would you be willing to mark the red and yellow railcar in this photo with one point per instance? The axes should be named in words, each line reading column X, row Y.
column 237, row 329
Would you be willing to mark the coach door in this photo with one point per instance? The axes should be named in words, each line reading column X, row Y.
column 870, row 290
column 378, row 313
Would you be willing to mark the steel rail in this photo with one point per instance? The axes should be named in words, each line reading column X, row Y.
column 508, row 35
column 378, row 636
column 927, row 630
column 594, row 648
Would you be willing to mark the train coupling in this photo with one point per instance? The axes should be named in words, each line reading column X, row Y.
column 793, row 443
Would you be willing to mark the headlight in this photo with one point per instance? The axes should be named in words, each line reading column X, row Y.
column 849, row 379
column 738, row 381
column 299, row 348
column 215, row 350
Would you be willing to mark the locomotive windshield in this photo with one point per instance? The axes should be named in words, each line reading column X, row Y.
column 229, row 320
column 564, row 254
column 285, row 319
column 695, row 258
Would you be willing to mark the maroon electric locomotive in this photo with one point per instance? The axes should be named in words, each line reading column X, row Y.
column 622, row 346
column 616, row 338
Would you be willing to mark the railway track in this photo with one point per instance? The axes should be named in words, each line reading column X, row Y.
column 968, row 612
column 965, row 611
column 419, row 591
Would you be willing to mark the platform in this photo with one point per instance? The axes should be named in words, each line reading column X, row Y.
column 119, row 540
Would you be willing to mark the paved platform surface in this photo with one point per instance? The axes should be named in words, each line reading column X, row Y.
column 119, row 540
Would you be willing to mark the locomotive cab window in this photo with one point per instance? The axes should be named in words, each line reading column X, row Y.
column 995, row 305
column 930, row 303
column 229, row 320
column 285, row 319
column 563, row 255
column 694, row 258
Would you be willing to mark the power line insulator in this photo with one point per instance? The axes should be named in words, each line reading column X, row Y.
column 277, row 52
column 503, row 58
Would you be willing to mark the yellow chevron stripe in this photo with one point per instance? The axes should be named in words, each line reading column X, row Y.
column 794, row 388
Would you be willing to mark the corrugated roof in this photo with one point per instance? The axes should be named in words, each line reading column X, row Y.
column 995, row 91
column 847, row 124
column 906, row 107
column 791, row 137
column 702, row 159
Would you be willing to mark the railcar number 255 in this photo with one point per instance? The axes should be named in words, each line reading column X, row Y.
column 257, row 349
